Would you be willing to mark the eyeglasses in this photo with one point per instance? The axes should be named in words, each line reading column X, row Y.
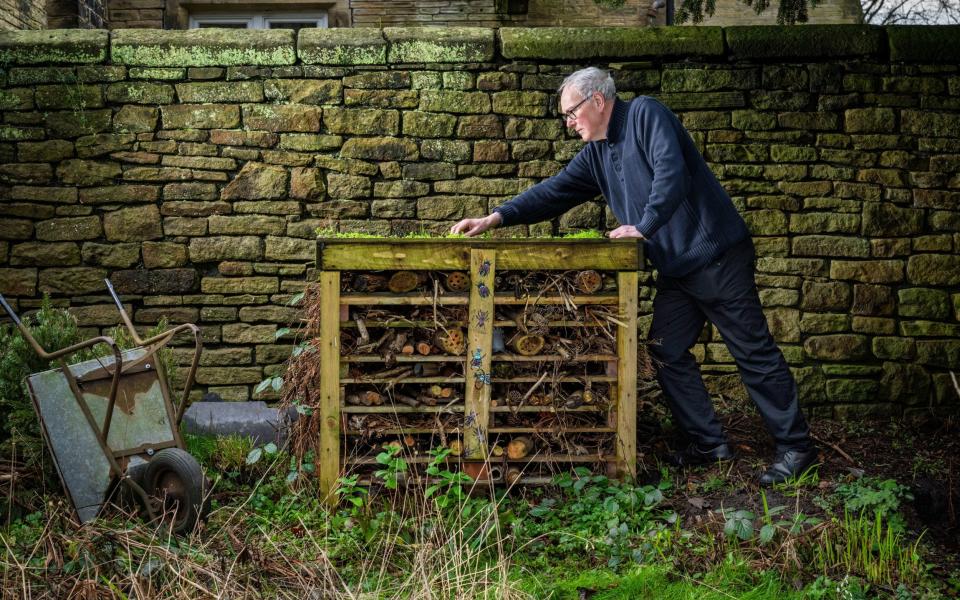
column 571, row 114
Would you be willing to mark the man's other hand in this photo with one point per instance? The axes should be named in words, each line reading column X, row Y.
column 626, row 231
column 472, row 227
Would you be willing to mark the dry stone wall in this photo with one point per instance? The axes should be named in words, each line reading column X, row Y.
column 193, row 169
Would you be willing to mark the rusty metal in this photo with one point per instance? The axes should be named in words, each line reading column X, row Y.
column 120, row 405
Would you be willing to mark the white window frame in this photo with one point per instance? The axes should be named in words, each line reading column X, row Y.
column 256, row 19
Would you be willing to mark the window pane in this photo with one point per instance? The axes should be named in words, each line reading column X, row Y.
column 201, row 25
column 295, row 25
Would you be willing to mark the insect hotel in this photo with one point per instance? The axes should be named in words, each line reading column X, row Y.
column 520, row 356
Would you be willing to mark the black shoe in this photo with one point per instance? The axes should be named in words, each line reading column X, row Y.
column 695, row 455
column 788, row 464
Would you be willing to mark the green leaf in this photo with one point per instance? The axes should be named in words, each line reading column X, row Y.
column 263, row 385
column 270, row 448
column 277, row 383
column 295, row 299
column 430, row 490
column 766, row 533
column 254, row 455
column 292, row 476
column 281, row 332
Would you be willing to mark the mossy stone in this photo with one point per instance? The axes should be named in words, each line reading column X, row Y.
column 829, row 295
column 133, row 224
column 934, row 269
column 824, row 323
column 448, row 208
column 830, row 246
column 215, row 248
column 707, row 80
column 766, row 222
column 439, row 44
column 429, row 171
column 53, row 46
column 882, row 219
column 852, row 390
column 202, row 47
column 427, row 124
column 282, row 117
column 893, row 348
column 45, row 254
column 71, row 124
column 380, row 148
column 363, row 121
column 342, row 46
column 905, row 384
column 455, row 151
column 939, row 353
column 925, row 44
column 836, row 347
column 257, row 181
column 303, row 91
column 72, row 281
column 523, row 104
column 400, row 189
column 596, row 42
column 200, row 116
column 454, row 102
column 767, row 42
column 220, row 91
column 924, row 303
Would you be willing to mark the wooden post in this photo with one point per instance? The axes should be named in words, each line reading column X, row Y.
column 329, row 355
column 627, row 373
column 479, row 346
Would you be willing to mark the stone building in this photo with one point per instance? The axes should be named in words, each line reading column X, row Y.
column 294, row 14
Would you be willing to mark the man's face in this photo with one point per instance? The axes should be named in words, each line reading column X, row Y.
column 583, row 114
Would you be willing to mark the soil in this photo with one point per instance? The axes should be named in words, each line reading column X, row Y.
column 920, row 453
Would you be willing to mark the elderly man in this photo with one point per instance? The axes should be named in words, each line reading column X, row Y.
column 639, row 156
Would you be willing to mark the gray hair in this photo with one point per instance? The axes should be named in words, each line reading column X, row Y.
column 589, row 81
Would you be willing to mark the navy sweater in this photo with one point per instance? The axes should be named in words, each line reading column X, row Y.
column 652, row 177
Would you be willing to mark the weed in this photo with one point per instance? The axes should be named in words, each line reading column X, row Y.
column 872, row 495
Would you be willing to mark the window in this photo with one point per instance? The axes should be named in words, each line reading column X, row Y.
column 259, row 20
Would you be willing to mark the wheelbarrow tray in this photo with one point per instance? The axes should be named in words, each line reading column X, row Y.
column 142, row 422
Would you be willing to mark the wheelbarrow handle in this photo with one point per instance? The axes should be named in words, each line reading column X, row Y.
column 9, row 310
column 123, row 314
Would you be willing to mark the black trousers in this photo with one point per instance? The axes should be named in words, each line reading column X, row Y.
column 725, row 293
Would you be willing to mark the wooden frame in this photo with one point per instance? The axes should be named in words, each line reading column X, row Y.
column 481, row 258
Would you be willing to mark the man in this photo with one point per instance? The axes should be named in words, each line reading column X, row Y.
column 659, row 187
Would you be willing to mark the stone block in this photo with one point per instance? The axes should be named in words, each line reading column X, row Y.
column 362, row 121
column 766, row 222
column 869, row 120
column 164, row 255
column 934, row 269
column 220, row 91
column 342, row 46
column 868, row 271
column 87, row 172
column 200, row 116
column 400, row 189
column 448, row 208
column 929, row 329
column 28, row 173
column 282, row 117
column 524, row 104
column 48, row 151
column 57, row 195
column 874, row 325
column 585, row 216
column 924, row 303
column 218, row 248
column 480, row 187
column 273, row 314
column 824, row 323
column 455, row 151
column 228, row 375
column 810, row 41
column 310, row 142
column 119, row 256
column 905, row 384
column 830, row 246
column 439, row 44
column 393, row 208
column 888, row 220
column 257, row 181
column 119, row 194
column 429, row 125
column 823, row 296
column 136, row 119
column 16, row 229
column 560, row 43
column 380, row 148
column 72, row 280
column 706, row 80
column 924, row 44
column 18, row 282
column 70, row 46
column 303, row 91
column 69, row 229
column 939, row 353
column 45, row 254
column 246, row 224
column 518, row 128
column 893, row 348
column 239, row 285
column 133, row 224
column 378, row 80
column 307, row 184
column 872, row 300
column 836, row 347
column 140, row 92
column 202, row 47
column 486, row 126
column 155, row 282
column 454, row 102
column 91, row 146
column 287, row 248
column 348, row 186
column 860, row 391
column 429, row 171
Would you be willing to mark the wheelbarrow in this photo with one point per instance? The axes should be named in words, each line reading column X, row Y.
column 110, row 422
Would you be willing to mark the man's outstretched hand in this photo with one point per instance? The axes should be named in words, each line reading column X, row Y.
column 626, row 231
column 472, row 227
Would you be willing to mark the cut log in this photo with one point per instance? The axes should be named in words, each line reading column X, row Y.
column 496, row 450
column 408, row 400
column 371, row 398
column 424, row 348
column 512, row 475
column 528, row 345
column 456, row 447
column 403, row 281
column 353, row 400
column 519, row 447
column 457, row 281
column 368, row 282
column 407, row 350
column 588, row 282
column 452, row 341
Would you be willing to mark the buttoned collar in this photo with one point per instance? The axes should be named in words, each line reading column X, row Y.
column 618, row 118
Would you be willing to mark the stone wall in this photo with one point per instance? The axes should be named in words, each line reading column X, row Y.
column 193, row 168
column 22, row 14
column 494, row 13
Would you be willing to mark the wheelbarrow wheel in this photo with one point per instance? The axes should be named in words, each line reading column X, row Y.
column 176, row 486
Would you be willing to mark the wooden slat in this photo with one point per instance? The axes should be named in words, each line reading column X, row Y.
column 411, row 299
column 400, row 358
column 549, row 458
column 627, row 373
column 386, row 409
column 528, row 253
column 483, row 264
column 585, row 378
column 373, row 380
column 543, row 300
column 553, row 358
column 511, row 430
column 329, row 384
column 547, row 409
